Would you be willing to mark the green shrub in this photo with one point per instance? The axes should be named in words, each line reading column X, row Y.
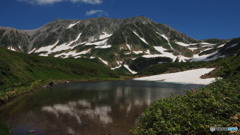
column 194, row 113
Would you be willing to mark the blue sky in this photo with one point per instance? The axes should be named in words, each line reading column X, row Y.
column 199, row 19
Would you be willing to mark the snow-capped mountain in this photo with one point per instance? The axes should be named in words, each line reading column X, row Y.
column 115, row 42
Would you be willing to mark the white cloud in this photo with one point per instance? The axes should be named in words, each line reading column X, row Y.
column 46, row 2
column 88, row 1
column 41, row 2
column 98, row 12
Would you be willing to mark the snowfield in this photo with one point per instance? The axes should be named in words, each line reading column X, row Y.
column 56, row 48
column 186, row 77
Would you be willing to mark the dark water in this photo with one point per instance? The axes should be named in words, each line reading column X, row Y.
column 87, row 108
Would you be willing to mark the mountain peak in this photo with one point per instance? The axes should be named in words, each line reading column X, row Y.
column 141, row 19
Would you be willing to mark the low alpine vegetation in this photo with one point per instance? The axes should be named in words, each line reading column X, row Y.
column 215, row 105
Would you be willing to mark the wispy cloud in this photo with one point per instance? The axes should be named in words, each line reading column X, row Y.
column 47, row 2
column 97, row 12
column 88, row 1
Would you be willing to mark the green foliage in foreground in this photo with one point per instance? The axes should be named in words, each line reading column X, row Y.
column 217, row 104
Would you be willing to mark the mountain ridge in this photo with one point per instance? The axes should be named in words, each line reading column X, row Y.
column 114, row 42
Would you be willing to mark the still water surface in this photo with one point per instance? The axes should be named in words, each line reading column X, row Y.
column 87, row 108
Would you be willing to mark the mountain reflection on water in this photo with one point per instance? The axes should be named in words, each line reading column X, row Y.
column 87, row 108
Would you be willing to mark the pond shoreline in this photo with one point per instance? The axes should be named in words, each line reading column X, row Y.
column 11, row 96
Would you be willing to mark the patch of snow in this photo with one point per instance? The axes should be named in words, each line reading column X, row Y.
column 126, row 66
column 46, row 48
column 196, row 57
column 160, row 49
column 152, row 56
column 104, row 46
column 147, row 52
column 21, row 48
column 71, row 25
column 182, row 58
column 121, row 48
column 103, row 61
column 119, row 64
column 192, row 48
column 32, row 51
column 188, row 77
column 207, row 49
column 185, row 44
column 129, row 47
column 163, row 53
column 56, row 48
column 233, row 45
column 43, row 54
column 221, row 45
column 165, row 37
column 205, row 43
column 60, row 48
column 78, row 37
column 11, row 48
column 116, row 67
column 105, row 35
column 134, row 58
column 215, row 57
column 102, row 42
column 128, row 53
column 76, row 57
column 73, row 54
column 137, row 52
column 84, row 52
column 140, row 37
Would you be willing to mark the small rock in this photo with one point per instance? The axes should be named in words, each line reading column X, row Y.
column 66, row 82
column 52, row 83
column 31, row 131
column 44, row 86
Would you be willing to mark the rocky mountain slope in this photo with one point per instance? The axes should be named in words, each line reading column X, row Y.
column 115, row 42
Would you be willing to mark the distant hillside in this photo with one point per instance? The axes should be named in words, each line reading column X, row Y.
column 19, row 69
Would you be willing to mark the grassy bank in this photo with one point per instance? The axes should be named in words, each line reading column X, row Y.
column 21, row 73
column 218, row 104
column 4, row 130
